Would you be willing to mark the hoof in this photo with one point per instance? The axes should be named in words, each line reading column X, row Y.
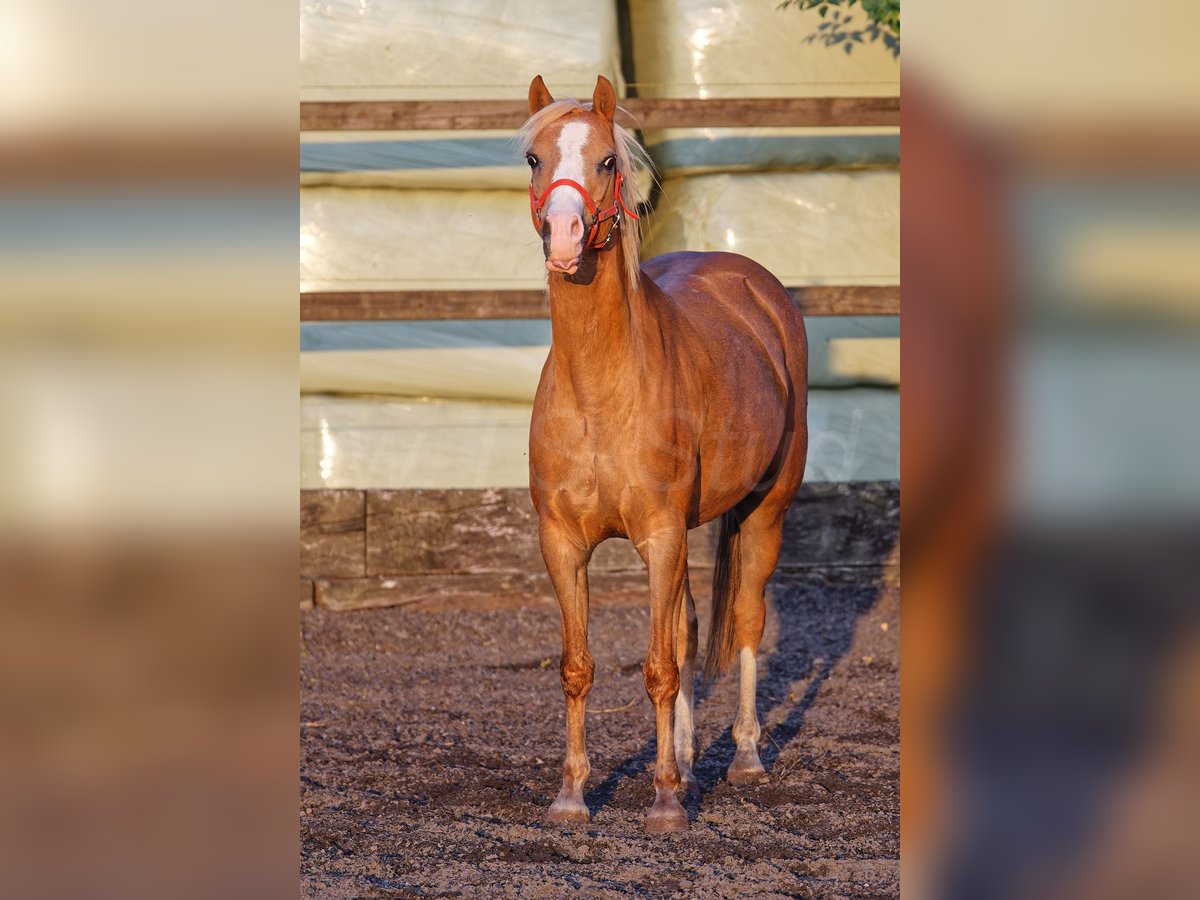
column 746, row 768
column 666, row 815
column 568, row 811
column 745, row 776
column 690, row 786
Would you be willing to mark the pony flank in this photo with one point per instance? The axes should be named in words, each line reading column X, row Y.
column 674, row 393
column 632, row 160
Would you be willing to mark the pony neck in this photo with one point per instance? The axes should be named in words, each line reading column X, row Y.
column 591, row 328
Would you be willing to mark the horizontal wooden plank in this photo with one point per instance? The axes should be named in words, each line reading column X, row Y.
column 430, row 547
column 447, row 532
column 450, row 531
column 379, row 306
column 848, row 299
column 647, row 112
column 333, row 534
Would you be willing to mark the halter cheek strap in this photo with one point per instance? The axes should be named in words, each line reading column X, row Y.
column 537, row 204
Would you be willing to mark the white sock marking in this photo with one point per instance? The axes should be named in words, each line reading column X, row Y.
column 683, row 730
column 747, row 715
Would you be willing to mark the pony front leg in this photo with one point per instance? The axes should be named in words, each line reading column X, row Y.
column 566, row 562
column 685, row 655
column 665, row 553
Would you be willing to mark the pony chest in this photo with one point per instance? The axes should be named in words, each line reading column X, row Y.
column 576, row 494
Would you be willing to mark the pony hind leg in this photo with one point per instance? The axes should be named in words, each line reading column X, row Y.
column 685, row 654
column 761, row 535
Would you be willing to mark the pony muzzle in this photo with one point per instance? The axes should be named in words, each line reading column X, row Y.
column 563, row 267
column 564, row 233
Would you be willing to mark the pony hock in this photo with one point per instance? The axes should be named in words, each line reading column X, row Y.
column 674, row 393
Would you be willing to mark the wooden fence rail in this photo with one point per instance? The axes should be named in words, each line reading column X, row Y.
column 380, row 306
column 649, row 112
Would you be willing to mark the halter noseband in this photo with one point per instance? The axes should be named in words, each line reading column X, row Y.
column 537, row 204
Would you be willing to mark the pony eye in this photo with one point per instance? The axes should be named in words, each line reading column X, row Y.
column 532, row 160
column 609, row 162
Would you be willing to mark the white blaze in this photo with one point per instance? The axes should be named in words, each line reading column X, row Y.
column 570, row 165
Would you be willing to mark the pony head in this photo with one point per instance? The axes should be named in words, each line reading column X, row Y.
column 581, row 177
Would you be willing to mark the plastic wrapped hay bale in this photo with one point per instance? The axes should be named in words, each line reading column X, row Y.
column 494, row 360
column 453, row 49
column 806, row 227
column 750, row 48
column 378, row 239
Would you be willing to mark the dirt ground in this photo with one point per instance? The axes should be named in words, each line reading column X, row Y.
column 431, row 744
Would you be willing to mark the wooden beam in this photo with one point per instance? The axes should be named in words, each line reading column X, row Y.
column 848, row 299
column 380, row 306
column 333, row 534
column 649, row 112
column 431, row 548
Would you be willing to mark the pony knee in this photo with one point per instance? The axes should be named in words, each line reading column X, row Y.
column 577, row 670
column 661, row 677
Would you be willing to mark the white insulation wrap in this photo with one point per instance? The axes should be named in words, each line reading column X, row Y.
column 379, row 239
column 806, row 227
column 750, row 48
column 453, row 49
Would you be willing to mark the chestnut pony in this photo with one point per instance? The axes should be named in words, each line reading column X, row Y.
column 674, row 393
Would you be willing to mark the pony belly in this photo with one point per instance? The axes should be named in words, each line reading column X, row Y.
column 728, row 477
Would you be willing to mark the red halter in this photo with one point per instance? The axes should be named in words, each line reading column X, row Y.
column 536, row 205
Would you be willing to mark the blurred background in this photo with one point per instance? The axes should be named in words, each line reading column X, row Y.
column 148, row 334
column 1051, row 288
column 147, row 497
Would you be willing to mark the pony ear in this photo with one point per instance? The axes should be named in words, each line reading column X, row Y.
column 604, row 99
column 539, row 97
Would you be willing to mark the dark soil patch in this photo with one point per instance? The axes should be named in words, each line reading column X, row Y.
column 431, row 745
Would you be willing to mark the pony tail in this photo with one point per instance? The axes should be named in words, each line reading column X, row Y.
column 719, row 650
